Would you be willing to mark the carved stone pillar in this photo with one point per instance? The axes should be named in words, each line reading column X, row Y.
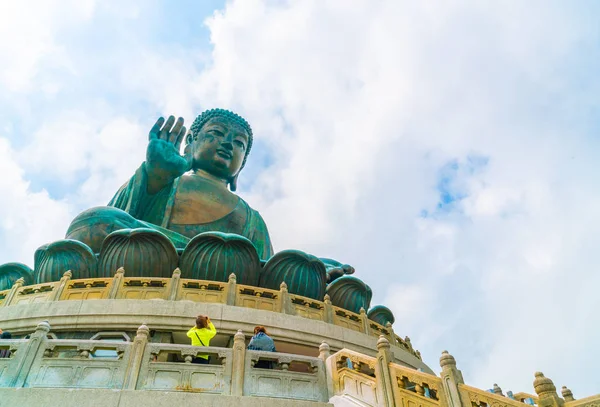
column 175, row 281
column 382, row 372
column 136, row 357
column 61, row 286
column 365, row 321
column 286, row 303
column 328, row 309
column 27, row 355
column 13, row 291
column 546, row 391
column 116, row 283
column 567, row 394
column 231, row 289
column 238, row 364
column 391, row 334
column 324, row 351
column 451, row 378
column 324, row 372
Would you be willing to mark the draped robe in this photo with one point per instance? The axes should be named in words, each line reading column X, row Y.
column 154, row 211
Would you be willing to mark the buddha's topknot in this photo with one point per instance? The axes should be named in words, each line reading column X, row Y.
column 205, row 116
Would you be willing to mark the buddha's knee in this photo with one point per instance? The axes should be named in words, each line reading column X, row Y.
column 93, row 225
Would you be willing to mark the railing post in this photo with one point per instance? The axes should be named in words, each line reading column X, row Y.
column 27, row 355
column 451, row 378
column 546, row 392
column 409, row 345
column 567, row 394
column 328, row 309
column 385, row 386
column 61, row 286
column 238, row 364
column 365, row 321
column 116, row 283
column 286, row 303
column 136, row 357
column 391, row 334
column 231, row 289
column 175, row 282
column 13, row 290
column 324, row 353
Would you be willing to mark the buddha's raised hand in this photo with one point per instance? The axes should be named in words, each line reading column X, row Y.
column 163, row 160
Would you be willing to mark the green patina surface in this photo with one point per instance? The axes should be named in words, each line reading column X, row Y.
column 184, row 195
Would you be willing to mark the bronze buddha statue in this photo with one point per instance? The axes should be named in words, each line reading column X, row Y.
column 183, row 195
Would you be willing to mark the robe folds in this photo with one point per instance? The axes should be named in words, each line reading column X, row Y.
column 154, row 211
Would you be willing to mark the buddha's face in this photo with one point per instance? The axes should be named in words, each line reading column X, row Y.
column 219, row 147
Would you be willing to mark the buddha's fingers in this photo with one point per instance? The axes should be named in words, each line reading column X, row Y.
column 155, row 130
column 172, row 138
column 164, row 133
column 180, row 138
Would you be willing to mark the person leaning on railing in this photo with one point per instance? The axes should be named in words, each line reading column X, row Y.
column 201, row 334
column 262, row 341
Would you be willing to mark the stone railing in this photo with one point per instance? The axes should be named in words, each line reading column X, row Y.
column 376, row 381
column 593, row 401
column 40, row 362
column 481, row 398
column 356, row 379
column 177, row 288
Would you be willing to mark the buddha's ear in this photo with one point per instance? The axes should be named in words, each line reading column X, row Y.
column 233, row 182
column 187, row 150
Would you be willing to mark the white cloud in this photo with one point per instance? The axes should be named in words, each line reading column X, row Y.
column 27, row 38
column 29, row 218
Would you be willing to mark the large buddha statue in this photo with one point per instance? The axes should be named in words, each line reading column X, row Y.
column 183, row 195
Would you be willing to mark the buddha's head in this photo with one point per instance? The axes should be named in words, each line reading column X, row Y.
column 219, row 143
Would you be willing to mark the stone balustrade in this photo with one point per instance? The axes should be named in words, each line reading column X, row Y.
column 377, row 382
column 592, row 401
column 176, row 289
column 346, row 377
column 481, row 398
column 41, row 362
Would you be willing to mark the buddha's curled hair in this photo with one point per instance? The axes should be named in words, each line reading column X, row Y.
column 212, row 113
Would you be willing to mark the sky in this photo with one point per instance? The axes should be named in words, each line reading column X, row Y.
column 447, row 151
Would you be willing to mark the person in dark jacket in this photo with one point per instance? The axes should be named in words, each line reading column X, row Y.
column 262, row 341
column 5, row 353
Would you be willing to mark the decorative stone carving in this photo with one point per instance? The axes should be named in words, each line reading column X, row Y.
column 381, row 314
column 53, row 259
column 216, row 255
column 11, row 272
column 303, row 273
column 141, row 252
column 350, row 293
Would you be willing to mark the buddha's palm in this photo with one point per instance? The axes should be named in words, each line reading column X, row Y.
column 163, row 160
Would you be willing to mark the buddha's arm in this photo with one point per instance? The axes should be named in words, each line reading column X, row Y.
column 157, row 179
column 134, row 199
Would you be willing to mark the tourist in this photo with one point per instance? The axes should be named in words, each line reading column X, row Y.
column 262, row 341
column 201, row 334
column 5, row 353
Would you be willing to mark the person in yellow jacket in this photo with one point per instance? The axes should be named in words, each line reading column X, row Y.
column 201, row 334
